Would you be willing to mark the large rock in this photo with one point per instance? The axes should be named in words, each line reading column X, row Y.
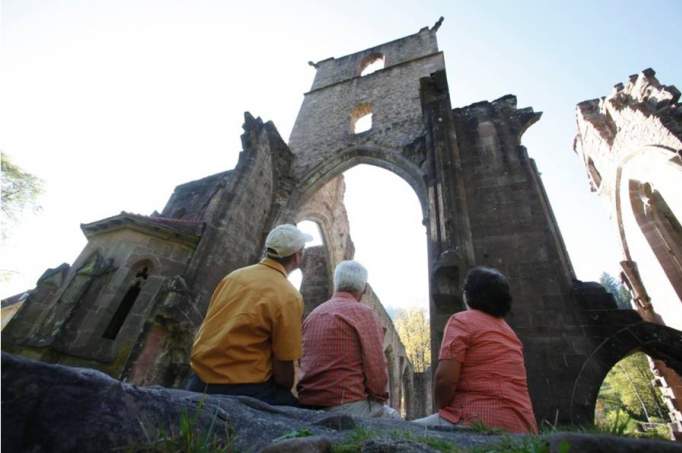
column 56, row 408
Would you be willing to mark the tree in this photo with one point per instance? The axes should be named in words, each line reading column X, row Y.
column 413, row 328
column 20, row 191
column 619, row 292
column 629, row 389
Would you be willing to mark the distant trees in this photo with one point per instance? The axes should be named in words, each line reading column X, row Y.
column 619, row 292
column 628, row 392
column 628, row 396
column 413, row 327
column 20, row 191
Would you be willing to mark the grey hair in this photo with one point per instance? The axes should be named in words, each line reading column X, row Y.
column 350, row 276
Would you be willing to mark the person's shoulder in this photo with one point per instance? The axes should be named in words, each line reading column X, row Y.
column 358, row 310
column 476, row 315
column 470, row 319
column 466, row 315
column 242, row 272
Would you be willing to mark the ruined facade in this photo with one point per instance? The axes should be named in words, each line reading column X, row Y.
column 631, row 145
column 482, row 202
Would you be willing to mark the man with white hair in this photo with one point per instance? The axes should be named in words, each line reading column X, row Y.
column 251, row 335
column 343, row 365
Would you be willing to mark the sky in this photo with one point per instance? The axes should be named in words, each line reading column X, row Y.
column 114, row 103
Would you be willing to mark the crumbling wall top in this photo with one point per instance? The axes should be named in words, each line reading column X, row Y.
column 642, row 100
column 334, row 70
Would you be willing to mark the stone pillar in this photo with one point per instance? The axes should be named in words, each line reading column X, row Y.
column 316, row 286
column 422, row 396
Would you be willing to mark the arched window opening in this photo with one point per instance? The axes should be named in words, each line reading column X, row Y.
column 126, row 305
column 380, row 216
column 361, row 118
column 371, row 64
column 594, row 174
column 313, row 229
column 630, row 401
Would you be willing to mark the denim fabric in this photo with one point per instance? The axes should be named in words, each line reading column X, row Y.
column 268, row 392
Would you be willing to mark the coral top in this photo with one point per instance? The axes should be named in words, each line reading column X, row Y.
column 492, row 386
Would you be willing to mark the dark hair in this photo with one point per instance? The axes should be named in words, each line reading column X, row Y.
column 487, row 289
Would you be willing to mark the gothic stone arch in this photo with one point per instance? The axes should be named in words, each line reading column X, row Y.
column 659, row 342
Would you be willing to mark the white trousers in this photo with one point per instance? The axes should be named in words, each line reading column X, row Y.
column 367, row 409
column 433, row 420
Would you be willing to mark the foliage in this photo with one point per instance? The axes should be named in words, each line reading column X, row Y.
column 617, row 422
column 360, row 435
column 525, row 444
column 354, row 442
column 619, row 292
column 413, row 328
column 189, row 437
column 480, row 427
column 20, row 191
column 303, row 432
column 628, row 402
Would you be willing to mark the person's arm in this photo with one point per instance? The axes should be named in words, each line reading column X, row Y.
column 286, row 342
column 283, row 373
column 447, row 375
column 373, row 360
column 452, row 354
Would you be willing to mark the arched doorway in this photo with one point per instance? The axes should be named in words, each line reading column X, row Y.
column 630, row 400
column 371, row 215
column 659, row 342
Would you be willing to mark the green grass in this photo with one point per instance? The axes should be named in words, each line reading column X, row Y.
column 303, row 432
column 528, row 444
column 354, row 442
column 505, row 444
column 361, row 435
column 480, row 427
column 188, row 438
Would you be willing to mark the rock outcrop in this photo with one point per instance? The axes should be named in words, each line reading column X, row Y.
column 58, row 409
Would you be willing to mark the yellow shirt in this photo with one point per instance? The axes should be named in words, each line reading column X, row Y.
column 255, row 313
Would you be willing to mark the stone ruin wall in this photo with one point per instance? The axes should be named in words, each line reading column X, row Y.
column 629, row 139
column 154, row 345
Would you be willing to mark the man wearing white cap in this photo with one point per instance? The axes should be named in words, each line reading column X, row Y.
column 251, row 335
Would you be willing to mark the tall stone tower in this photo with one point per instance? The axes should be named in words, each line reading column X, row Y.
column 131, row 301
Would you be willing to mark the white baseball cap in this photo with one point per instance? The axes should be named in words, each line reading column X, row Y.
column 285, row 240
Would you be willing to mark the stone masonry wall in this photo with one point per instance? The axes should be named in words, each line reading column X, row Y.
column 323, row 125
column 240, row 215
column 68, row 326
column 336, row 70
column 326, row 208
column 513, row 230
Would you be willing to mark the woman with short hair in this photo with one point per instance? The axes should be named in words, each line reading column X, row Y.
column 481, row 376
